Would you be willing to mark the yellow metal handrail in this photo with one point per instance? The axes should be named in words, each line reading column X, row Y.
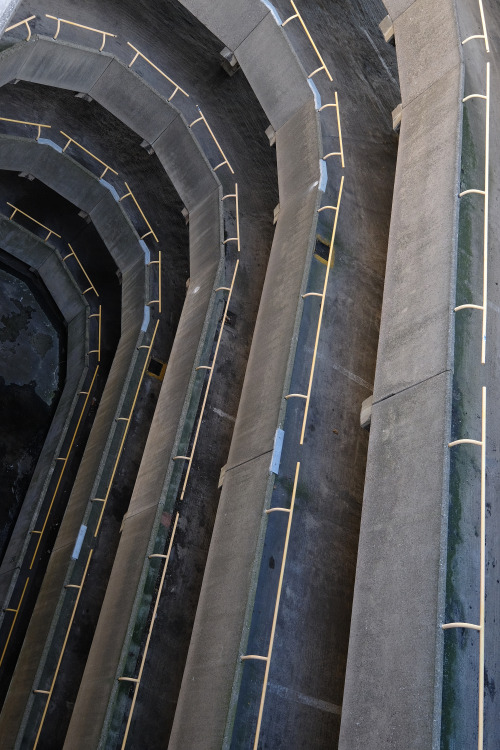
column 75, row 256
column 211, row 371
column 131, row 195
column 323, row 64
column 157, row 301
column 63, row 649
column 268, row 656
column 72, row 140
column 64, row 460
column 235, row 196
column 202, row 118
column 98, row 350
column 482, row 572
column 139, row 54
column 20, row 23
column 80, row 26
column 484, row 35
column 24, row 122
column 18, row 210
column 137, row 680
column 104, row 500
column 341, row 152
column 485, row 193
column 307, row 396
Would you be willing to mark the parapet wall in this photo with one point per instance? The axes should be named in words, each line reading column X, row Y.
column 393, row 684
column 32, row 250
column 225, row 605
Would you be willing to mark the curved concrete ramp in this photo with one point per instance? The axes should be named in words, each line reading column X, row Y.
column 206, row 702
column 25, row 246
column 66, row 177
column 392, row 696
column 125, row 95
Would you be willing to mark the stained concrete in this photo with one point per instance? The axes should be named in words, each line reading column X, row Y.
column 392, row 698
column 31, row 382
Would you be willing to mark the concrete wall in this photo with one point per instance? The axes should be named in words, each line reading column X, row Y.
column 393, row 684
column 140, row 525
column 104, row 77
column 78, row 185
column 32, row 250
column 206, row 701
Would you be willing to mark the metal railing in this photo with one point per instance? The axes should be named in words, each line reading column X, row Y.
column 131, row 195
column 73, row 254
column 202, row 118
column 35, row 221
column 103, row 163
column 157, row 301
column 341, row 152
column 64, row 460
column 127, row 419
column 20, row 23
column 482, row 574
column 105, row 34
column 323, row 64
column 210, row 368
column 485, row 194
column 39, row 533
column 484, row 35
column 267, row 658
column 24, row 122
column 235, row 196
column 104, row 501
column 322, row 295
column 137, row 680
column 98, row 350
column 159, row 70
column 49, row 692
column 13, row 623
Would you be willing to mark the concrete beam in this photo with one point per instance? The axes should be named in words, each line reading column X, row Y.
column 394, row 674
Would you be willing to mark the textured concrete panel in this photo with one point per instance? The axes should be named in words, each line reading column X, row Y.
column 229, row 580
column 396, row 7
column 27, row 665
column 60, row 173
column 428, row 33
column 230, row 20
column 12, row 60
column 116, row 231
column 117, row 609
column 420, row 277
column 128, row 97
column 184, row 163
column 273, row 72
column 391, row 679
column 61, row 287
column 63, row 66
column 212, row 659
column 272, row 341
column 100, row 675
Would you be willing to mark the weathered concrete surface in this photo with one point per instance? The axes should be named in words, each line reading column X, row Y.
column 461, row 662
column 32, row 345
column 100, row 678
column 394, row 671
column 210, row 663
column 124, row 245
column 415, row 341
column 22, row 244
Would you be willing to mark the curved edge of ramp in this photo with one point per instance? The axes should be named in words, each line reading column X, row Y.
column 210, row 684
column 30, row 249
column 124, row 245
column 393, row 685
